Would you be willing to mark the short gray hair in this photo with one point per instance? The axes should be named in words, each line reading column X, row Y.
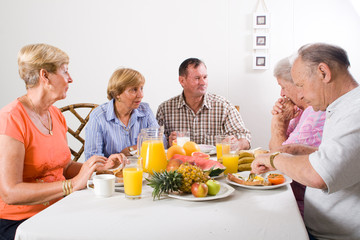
column 314, row 54
column 283, row 69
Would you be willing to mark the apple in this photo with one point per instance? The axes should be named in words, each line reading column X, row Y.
column 213, row 187
column 199, row 189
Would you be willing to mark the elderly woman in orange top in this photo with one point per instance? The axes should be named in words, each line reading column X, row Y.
column 36, row 167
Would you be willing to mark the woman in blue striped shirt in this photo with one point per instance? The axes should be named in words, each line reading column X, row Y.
column 113, row 127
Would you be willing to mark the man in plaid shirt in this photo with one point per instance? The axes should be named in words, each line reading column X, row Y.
column 204, row 114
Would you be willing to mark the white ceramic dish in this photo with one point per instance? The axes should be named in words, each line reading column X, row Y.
column 245, row 175
column 225, row 191
column 208, row 149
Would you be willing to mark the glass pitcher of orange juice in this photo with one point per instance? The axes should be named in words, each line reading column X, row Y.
column 151, row 149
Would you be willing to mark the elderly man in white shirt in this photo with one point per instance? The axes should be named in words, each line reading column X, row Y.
column 332, row 199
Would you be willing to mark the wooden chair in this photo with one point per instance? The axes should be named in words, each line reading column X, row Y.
column 74, row 109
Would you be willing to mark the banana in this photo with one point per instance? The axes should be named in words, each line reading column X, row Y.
column 244, row 153
column 244, row 167
column 246, row 160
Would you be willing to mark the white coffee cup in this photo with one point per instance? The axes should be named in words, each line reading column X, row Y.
column 104, row 185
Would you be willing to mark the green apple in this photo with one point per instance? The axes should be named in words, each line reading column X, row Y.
column 213, row 187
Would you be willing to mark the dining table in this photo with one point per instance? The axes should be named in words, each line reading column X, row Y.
column 239, row 213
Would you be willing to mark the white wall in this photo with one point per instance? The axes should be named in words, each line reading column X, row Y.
column 155, row 36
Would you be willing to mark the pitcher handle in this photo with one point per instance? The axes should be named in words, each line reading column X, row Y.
column 139, row 142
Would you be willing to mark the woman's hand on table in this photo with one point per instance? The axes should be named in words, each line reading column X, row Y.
column 114, row 161
column 87, row 169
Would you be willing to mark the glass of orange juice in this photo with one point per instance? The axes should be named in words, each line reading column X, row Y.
column 219, row 140
column 230, row 156
column 133, row 178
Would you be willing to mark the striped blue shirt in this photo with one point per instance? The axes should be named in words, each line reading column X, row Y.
column 105, row 134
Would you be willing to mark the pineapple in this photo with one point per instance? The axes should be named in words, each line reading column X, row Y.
column 191, row 174
column 175, row 181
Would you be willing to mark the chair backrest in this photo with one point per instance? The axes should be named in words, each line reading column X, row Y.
column 74, row 109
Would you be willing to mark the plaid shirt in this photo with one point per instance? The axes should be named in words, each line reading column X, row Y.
column 217, row 116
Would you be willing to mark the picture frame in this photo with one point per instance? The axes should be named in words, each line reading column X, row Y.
column 260, row 61
column 261, row 41
column 261, row 20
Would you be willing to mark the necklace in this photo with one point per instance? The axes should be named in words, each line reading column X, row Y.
column 38, row 115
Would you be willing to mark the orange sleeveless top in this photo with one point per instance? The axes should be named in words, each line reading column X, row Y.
column 46, row 156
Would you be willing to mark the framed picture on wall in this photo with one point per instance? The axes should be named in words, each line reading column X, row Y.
column 260, row 61
column 261, row 41
column 261, row 20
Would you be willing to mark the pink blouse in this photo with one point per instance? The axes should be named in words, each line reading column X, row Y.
column 306, row 128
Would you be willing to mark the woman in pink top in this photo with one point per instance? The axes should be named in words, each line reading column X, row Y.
column 295, row 127
column 36, row 168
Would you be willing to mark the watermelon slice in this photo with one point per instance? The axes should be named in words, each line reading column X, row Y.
column 206, row 165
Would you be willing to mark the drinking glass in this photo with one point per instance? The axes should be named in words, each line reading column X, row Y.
column 133, row 178
column 219, row 140
column 230, row 156
column 182, row 137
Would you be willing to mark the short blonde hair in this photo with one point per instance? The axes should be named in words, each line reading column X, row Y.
column 121, row 79
column 34, row 57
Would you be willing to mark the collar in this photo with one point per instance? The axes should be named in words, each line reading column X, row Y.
column 110, row 112
column 206, row 101
column 344, row 100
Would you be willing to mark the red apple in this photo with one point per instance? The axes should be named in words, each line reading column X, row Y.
column 199, row 189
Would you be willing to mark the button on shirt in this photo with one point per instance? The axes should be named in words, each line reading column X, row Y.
column 106, row 134
column 217, row 116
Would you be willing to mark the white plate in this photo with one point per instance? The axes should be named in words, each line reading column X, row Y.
column 245, row 175
column 208, row 149
column 225, row 191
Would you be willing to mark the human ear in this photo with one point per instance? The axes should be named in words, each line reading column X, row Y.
column 325, row 72
column 181, row 80
column 44, row 75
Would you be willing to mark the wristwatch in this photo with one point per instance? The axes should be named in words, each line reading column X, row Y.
column 272, row 157
column 131, row 149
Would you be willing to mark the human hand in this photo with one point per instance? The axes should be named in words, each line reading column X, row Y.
column 278, row 106
column 172, row 137
column 243, row 144
column 261, row 164
column 113, row 161
column 127, row 152
column 86, row 170
column 285, row 109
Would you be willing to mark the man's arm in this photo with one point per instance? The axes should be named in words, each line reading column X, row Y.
column 235, row 126
column 297, row 167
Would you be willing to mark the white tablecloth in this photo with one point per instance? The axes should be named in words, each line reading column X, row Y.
column 246, row 214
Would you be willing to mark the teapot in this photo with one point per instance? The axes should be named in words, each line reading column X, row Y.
column 151, row 149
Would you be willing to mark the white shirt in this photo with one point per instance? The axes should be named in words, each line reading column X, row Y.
column 334, row 213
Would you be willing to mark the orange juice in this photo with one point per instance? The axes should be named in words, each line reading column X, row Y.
column 133, row 181
column 219, row 149
column 153, row 156
column 230, row 161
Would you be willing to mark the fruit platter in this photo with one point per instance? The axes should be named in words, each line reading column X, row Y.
column 225, row 191
column 189, row 176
